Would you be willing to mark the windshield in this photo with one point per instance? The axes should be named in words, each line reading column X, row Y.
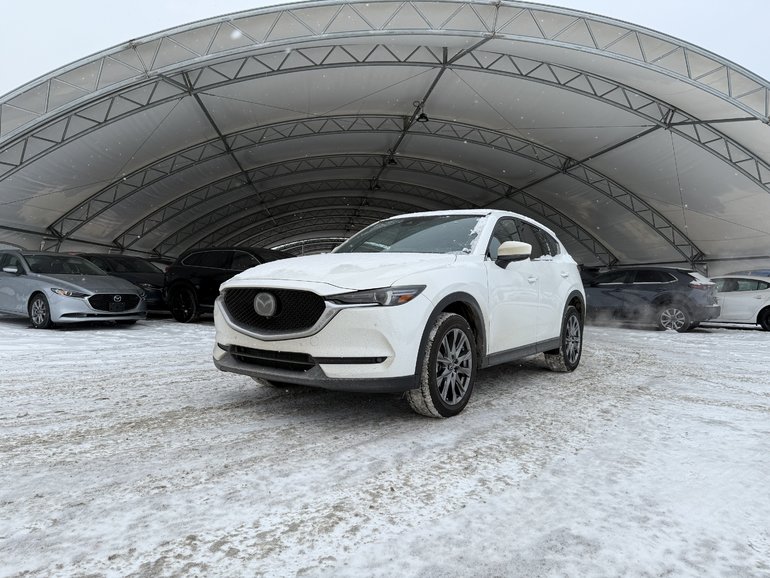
column 456, row 234
column 132, row 265
column 62, row 265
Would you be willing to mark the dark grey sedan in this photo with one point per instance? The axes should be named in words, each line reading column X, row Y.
column 52, row 288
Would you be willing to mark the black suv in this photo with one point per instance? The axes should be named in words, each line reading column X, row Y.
column 193, row 280
column 135, row 269
column 671, row 298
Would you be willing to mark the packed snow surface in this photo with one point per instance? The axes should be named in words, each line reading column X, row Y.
column 124, row 452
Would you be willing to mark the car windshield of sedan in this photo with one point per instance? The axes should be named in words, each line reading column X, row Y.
column 455, row 234
column 132, row 265
column 62, row 265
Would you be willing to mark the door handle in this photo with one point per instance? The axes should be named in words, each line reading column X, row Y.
column 564, row 274
column 531, row 279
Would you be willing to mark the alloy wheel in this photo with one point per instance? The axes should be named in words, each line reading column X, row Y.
column 454, row 366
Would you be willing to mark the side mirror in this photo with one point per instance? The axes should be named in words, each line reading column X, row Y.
column 13, row 269
column 511, row 251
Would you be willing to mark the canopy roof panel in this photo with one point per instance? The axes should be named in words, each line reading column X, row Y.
column 296, row 125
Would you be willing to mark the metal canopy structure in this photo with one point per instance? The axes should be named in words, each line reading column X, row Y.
column 296, row 125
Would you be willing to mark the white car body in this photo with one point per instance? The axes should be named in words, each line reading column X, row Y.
column 743, row 299
column 514, row 311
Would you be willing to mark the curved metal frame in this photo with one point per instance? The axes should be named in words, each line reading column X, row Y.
column 249, row 45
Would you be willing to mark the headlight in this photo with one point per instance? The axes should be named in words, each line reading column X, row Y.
column 148, row 286
column 386, row 297
column 68, row 293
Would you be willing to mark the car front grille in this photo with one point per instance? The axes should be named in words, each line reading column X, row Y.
column 114, row 302
column 295, row 310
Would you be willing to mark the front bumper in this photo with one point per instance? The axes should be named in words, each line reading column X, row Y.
column 366, row 349
column 76, row 310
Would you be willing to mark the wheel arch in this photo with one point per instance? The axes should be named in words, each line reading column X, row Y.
column 577, row 300
column 181, row 284
column 466, row 306
column 33, row 295
column 762, row 313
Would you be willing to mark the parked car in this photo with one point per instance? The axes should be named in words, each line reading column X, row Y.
column 415, row 303
column 54, row 288
column 669, row 297
column 192, row 281
column 744, row 299
column 137, row 270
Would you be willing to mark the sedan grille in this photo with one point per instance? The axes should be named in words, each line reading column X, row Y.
column 114, row 301
column 293, row 311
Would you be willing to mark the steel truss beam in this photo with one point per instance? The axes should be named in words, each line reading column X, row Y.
column 259, row 176
column 77, row 123
column 272, row 30
column 654, row 111
column 241, row 231
column 356, row 189
column 501, row 190
column 311, row 246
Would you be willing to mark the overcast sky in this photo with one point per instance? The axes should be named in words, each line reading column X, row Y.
column 43, row 35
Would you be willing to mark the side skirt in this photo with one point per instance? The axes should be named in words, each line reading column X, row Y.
column 519, row 352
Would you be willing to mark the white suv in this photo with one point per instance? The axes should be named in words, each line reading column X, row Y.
column 415, row 304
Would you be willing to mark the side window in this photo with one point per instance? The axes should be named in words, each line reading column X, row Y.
column 652, row 276
column 612, row 277
column 726, row 285
column 505, row 230
column 762, row 286
column 99, row 262
column 751, row 285
column 193, row 260
column 549, row 241
column 212, row 259
column 529, row 234
column 9, row 260
column 243, row 261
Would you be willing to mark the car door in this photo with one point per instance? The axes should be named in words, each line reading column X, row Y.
column 552, row 279
column 212, row 270
column 645, row 286
column 14, row 287
column 741, row 299
column 605, row 293
column 513, row 294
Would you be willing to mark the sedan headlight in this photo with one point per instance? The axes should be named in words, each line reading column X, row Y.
column 148, row 286
column 386, row 297
column 68, row 293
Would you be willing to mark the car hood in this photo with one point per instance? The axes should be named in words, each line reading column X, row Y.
column 90, row 283
column 352, row 271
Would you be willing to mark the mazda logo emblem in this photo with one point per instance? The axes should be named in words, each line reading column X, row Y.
column 265, row 304
column 117, row 298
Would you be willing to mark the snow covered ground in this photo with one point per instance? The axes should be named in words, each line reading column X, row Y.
column 124, row 452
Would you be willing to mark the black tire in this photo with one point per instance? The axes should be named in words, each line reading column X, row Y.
column 126, row 321
column 764, row 318
column 40, row 312
column 673, row 316
column 567, row 356
column 448, row 368
column 183, row 304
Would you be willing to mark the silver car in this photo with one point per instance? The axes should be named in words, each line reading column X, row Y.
column 53, row 288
